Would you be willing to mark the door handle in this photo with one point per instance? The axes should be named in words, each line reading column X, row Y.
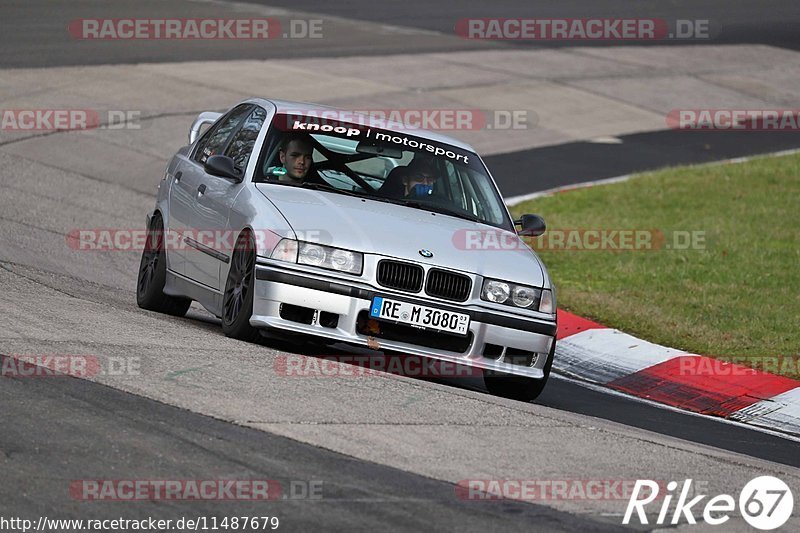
column 178, row 176
column 201, row 189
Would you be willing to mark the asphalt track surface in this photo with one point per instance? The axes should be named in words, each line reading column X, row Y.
column 82, row 421
column 571, row 163
column 33, row 30
column 774, row 23
column 34, row 35
column 56, row 430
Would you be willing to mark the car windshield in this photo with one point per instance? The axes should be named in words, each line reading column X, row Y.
column 384, row 165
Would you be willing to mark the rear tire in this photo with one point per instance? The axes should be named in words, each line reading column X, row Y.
column 237, row 300
column 153, row 275
column 518, row 387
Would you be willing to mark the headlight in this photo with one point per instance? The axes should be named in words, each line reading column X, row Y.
column 306, row 253
column 524, row 296
column 495, row 291
column 311, row 254
column 330, row 258
column 346, row 260
column 521, row 296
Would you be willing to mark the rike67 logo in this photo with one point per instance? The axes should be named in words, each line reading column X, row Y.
column 765, row 503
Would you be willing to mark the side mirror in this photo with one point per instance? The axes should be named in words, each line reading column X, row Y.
column 532, row 225
column 222, row 166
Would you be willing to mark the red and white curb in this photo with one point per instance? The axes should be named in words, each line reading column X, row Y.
column 608, row 357
column 615, row 360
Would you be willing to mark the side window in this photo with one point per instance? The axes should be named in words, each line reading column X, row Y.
column 242, row 144
column 214, row 141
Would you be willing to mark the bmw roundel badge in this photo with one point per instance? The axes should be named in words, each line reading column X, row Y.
column 426, row 253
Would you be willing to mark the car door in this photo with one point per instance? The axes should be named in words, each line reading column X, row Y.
column 184, row 181
column 177, row 223
column 214, row 204
column 192, row 185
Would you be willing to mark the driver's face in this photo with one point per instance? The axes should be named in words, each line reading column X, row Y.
column 297, row 159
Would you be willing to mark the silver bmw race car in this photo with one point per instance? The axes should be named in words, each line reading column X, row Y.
column 283, row 218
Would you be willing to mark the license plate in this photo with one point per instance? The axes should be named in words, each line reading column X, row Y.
column 419, row 315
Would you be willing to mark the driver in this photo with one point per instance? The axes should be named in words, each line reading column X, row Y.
column 295, row 155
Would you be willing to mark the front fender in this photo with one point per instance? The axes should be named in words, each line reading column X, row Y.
column 253, row 210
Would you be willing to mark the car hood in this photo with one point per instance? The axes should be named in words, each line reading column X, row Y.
column 372, row 226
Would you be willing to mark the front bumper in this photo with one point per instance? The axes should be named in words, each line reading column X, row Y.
column 277, row 286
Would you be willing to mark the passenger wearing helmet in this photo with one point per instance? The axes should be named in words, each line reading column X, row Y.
column 418, row 181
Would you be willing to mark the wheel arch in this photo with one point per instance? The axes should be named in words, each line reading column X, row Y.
column 226, row 267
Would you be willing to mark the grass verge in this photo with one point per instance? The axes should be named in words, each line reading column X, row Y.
column 722, row 276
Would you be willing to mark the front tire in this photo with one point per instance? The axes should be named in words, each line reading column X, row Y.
column 518, row 387
column 153, row 275
column 237, row 300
